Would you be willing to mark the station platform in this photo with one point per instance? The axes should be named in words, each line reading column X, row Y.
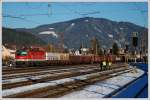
column 121, row 86
column 139, row 86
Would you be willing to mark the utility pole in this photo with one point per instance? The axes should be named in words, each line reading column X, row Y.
column 96, row 49
column 94, row 45
column 49, row 9
column 61, row 42
column 144, row 44
column 141, row 46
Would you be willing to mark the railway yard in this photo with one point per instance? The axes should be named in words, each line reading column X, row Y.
column 85, row 80
column 74, row 50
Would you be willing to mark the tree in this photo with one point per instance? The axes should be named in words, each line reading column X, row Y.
column 96, row 46
column 50, row 48
column 115, row 49
column 81, row 46
column 100, row 52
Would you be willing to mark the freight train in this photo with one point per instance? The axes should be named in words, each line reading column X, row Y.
column 37, row 57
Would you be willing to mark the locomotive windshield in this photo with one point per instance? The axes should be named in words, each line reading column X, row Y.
column 21, row 52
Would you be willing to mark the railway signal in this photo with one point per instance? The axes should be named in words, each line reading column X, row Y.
column 135, row 42
column 135, row 39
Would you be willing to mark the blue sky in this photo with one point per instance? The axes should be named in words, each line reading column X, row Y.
column 29, row 15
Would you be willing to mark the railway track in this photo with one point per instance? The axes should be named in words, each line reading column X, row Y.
column 57, row 83
column 53, row 71
column 26, row 80
column 13, row 70
column 60, row 87
column 47, row 71
column 27, row 71
column 41, row 76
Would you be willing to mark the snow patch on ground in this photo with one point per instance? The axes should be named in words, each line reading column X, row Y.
column 83, row 94
column 22, row 89
column 61, row 81
column 102, row 88
column 51, row 28
column 107, row 85
column 110, row 35
column 14, row 80
column 49, row 32
column 97, row 29
column 86, row 20
column 99, row 89
column 121, row 28
column 122, row 40
column 119, row 80
column 72, row 24
column 87, row 35
column 25, row 88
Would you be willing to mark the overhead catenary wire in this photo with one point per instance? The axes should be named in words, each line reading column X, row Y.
column 81, row 13
column 37, row 14
column 33, row 14
column 15, row 17
column 20, row 18
column 48, row 7
column 90, row 13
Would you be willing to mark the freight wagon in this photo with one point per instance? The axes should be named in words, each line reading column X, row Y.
column 56, row 58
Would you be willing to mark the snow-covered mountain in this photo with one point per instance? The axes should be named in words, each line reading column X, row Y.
column 82, row 30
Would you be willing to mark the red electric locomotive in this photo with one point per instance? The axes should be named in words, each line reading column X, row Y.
column 30, row 57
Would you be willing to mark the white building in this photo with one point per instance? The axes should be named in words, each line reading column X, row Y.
column 84, row 51
column 8, row 53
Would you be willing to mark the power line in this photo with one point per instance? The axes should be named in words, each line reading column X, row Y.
column 20, row 18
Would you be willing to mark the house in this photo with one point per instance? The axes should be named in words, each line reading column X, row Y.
column 7, row 53
column 84, row 51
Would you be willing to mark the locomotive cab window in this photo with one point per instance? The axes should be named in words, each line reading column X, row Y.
column 21, row 52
